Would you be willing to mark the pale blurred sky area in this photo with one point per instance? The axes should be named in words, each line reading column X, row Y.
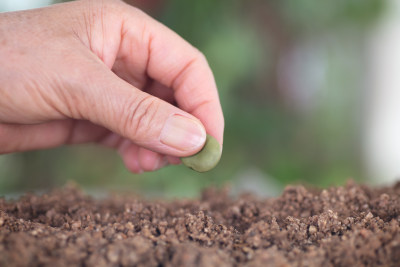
column 14, row 5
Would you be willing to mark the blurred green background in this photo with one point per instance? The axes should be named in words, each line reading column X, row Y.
column 290, row 77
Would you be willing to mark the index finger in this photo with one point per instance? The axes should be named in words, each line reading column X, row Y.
column 178, row 65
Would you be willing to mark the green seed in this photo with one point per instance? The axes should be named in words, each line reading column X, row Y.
column 207, row 158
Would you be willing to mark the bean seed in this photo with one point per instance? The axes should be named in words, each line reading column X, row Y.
column 207, row 158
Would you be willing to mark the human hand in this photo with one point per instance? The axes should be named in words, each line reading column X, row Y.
column 105, row 72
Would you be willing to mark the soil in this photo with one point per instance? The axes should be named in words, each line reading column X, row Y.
column 342, row 226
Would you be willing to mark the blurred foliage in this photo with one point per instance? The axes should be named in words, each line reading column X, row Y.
column 246, row 43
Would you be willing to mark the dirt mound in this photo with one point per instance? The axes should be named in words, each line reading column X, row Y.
column 344, row 226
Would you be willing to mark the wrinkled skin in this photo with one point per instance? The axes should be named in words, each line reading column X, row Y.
column 105, row 72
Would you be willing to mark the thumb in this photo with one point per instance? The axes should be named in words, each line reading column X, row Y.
column 145, row 119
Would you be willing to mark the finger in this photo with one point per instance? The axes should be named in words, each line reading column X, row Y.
column 135, row 158
column 146, row 120
column 175, row 64
column 138, row 159
column 151, row 161
column 129, row 154
column 16, row 138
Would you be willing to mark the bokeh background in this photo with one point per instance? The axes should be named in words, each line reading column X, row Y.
column 308, row 89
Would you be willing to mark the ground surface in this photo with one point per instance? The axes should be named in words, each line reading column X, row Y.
column 349, row 226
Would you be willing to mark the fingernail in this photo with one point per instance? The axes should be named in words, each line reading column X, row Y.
column 183, row 133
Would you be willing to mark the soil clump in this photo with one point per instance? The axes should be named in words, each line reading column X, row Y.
column 352, row 225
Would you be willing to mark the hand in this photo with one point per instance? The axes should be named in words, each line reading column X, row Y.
column 105, row 72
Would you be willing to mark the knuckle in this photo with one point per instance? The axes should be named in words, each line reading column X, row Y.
column 200, row 56
column 139, row 116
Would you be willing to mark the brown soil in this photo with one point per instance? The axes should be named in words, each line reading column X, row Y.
column 344, row 226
